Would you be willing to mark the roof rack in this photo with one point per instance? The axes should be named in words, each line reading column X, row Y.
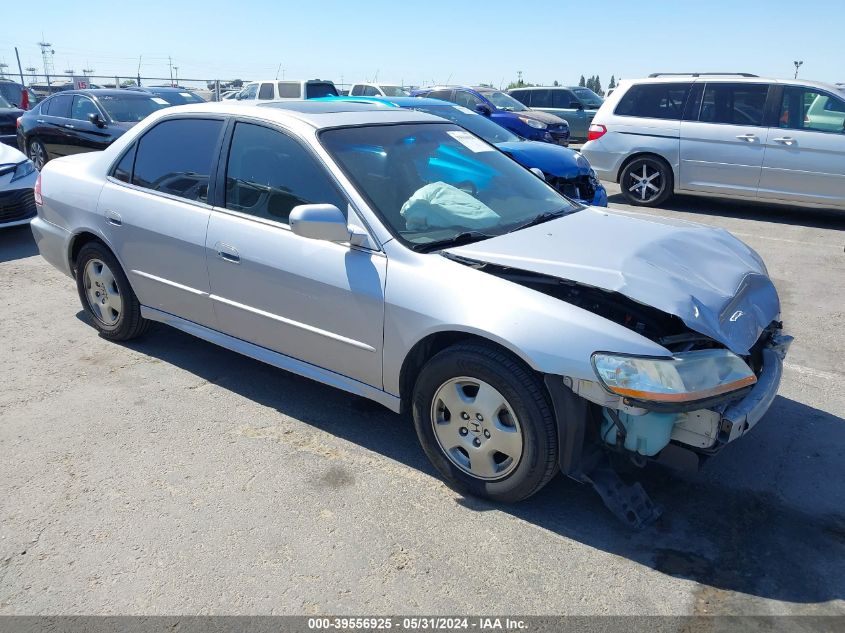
column 699, row 74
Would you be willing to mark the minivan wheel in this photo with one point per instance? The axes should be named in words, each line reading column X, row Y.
column 646, row 182
column 106, row 295
column 37, row 153
column 484, row 421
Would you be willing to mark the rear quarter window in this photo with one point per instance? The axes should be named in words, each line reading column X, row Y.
column 654, row 101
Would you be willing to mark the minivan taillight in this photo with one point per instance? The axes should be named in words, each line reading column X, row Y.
column 596, row 131
column 38, row 199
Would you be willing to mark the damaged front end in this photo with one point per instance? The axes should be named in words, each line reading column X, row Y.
column 676, row 410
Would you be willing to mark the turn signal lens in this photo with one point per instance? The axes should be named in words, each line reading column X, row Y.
column 596, row 131
column 37, row 192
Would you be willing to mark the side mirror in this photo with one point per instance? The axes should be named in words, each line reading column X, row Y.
column 483, row 108
column 577, row 105
column 538, row 172
column 96, row 120
column 319, row 222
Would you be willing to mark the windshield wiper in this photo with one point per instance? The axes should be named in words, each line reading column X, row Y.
column 543, row 217
column 467, row 237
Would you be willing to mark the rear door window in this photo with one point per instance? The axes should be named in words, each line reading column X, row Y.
column 176, row 157
column 265, row 92
column 540, row 99
column 446, row 95
column 810, row 109
column 654, row 101
column 734, row 103
column 60, row 106
column 523, row 96
column 565, row 99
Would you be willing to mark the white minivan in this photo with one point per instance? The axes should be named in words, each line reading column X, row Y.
column 735, row 136
column 276, row 90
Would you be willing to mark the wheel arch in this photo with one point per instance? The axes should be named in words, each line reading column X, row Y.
column 79, row 240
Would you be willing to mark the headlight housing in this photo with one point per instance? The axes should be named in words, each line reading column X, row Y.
column 537, row 125
column 685, row 377
column 23, row 169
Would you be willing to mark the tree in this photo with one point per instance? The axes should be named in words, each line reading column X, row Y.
column 597, row 87
column 612, row 83
column 583, row 82
column 128, row 82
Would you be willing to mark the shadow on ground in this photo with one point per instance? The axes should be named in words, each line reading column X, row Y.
column 750, row 210
column 717, row 533
column 16, row 243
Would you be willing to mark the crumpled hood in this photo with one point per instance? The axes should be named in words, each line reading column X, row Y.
column 547, row 157
column 713, row 282
column 538, row 115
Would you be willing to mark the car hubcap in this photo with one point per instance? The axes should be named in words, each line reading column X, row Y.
column 102, row 292
column 476, row 428
column 646, row 182
column 36, row 154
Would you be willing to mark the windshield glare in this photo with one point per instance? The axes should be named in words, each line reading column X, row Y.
column 394, row 91
column 126, row 109
column 504, row 101
column 475, row 123
column 179, row 98
column 433, row 182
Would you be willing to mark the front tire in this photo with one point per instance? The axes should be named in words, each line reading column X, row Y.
column 106, row 295
column 37, row 153
column 484, row 421
column 647, row 181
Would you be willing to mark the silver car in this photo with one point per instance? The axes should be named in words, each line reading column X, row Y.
column 737, row 136
column 394, row 255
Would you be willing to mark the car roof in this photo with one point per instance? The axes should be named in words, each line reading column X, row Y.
column 106, row 92
column 314, row 113
column 715, row 77
column 395, row 102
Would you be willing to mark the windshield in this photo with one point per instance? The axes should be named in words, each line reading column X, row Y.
column 394, row 91
column 504, row 101
column 131, row 109
column 315, row 90
column 475, row 123
column 434, row 182
column 588, row 97
column 179, row 98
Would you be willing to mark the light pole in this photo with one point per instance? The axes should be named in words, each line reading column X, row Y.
column 176, row 71
column 797, row 66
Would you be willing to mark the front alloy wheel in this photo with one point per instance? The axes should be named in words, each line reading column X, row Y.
column 646, row 182
column 37, row 154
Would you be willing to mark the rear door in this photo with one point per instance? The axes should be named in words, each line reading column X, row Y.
column 317, row 301
column 805, row 152
column 84, row 136
column 156, row 212
column 723, row 144
column 51, row 126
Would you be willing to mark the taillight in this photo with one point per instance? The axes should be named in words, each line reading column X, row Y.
column 18, row 122
column 38, row 199
column 596, row 131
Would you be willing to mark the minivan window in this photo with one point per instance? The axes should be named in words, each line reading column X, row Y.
column 316, row 90
column 539, row 99
column 734, row 103
column 654, row 101
column 564, row 99
column 266, row 91
column 176, row 156
column 809, row 109
column 269, row 173
column 290, row 90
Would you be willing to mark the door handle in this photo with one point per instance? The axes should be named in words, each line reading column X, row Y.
column 113, row 217
column 785, row 140
column 748, row 138
column 227, row 253
column 40, row 121
column 69, row 126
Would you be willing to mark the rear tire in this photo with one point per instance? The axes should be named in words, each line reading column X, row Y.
column 37, row 153
column 484, row 421
column 647, row 181
column 106, row 295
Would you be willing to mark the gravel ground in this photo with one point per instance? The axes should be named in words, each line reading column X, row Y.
column 168, row 476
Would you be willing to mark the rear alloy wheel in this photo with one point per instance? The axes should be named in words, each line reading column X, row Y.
column 646, row 182
column 483, row 419
column 37, row 153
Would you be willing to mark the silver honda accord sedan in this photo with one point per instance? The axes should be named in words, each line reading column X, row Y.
column 394, row 255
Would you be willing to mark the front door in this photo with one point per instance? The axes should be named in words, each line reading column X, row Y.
column 156, row 215
column 83, row 135
column 805, row 153
column 316, row 301
column 722, row 147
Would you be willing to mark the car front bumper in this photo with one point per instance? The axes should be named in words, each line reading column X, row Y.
column 17, row 200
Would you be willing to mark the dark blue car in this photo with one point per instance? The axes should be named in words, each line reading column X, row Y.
column 503, row 109
column 565, row 169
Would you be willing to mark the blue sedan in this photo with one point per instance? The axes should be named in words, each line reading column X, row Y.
column 566, row 170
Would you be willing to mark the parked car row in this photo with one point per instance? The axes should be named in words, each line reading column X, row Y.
column 738, row 136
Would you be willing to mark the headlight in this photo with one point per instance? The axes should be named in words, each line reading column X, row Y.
column 537, row 125
column 23, row 169
column 684, row 377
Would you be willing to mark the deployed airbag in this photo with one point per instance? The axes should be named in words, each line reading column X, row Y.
column 440, row 205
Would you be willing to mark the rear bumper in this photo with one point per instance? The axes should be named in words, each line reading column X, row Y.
column 53, row 243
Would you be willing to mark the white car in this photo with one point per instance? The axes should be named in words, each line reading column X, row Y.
column 377, row 90
column 17, row 179
column 735, row 136
column 275, row 90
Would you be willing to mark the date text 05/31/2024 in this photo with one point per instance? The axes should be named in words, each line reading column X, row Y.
column 416, row 623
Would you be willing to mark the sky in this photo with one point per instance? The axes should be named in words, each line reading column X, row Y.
column 421, row 43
